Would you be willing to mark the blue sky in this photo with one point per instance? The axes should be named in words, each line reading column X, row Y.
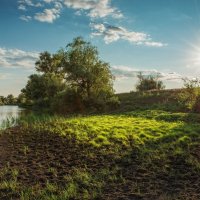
column 153, row 36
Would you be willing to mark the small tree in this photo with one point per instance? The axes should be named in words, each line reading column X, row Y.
column 189, row 97
column 149, row 82
column 11, row 100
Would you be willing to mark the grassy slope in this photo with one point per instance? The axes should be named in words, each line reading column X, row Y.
column 148, row 154
column 160, row 100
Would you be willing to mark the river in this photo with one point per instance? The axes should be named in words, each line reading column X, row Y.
column 9, row 112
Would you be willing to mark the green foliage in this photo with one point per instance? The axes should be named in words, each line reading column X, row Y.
column 189, row 98
column 9, row 100
column 150, row 82
column 155, row 100
column 48, row 63
column 22, row 100
column 85, row 70
column 73, row 79
column 41, row 89
column 67, row 101
column 90, row 77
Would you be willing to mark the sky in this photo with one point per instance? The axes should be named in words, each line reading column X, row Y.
column 153, row 36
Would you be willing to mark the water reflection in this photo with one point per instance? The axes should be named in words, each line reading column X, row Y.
column 9, row 112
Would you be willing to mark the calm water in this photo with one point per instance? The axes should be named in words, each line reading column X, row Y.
column 8, row 112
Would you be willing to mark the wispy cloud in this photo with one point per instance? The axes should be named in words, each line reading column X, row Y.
column 25, row 18
column 113, row 33
column 124, row 72
column 22, row 7
column 28, row 3
column 48, row 15
column 48, row 1
column 180, row 17
column 91, row 8
column 96, row 8
column 17, row 58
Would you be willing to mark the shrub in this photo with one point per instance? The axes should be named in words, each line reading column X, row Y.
column 189, row 98
column 150, row 82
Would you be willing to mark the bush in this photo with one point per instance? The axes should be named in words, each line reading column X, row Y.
column 147, row 83
column 67, row 101
column 189, row 98
column 70, row 101
column 113, row 102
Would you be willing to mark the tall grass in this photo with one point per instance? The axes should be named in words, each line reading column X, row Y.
column 8, row 123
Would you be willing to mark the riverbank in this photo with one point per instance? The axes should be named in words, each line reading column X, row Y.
column 123, row 156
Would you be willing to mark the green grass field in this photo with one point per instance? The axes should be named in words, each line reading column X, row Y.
column 148, row 154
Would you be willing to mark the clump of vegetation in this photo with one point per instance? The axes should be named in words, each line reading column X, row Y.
column 189, row 98
column 9, row 100
column 42, row 89
column 155, row 100
column 149, row 82
column 73, row 79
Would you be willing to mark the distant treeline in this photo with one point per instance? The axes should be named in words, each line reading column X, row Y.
column 9, row 100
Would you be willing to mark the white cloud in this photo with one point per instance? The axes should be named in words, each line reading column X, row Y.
column 28, row 3
column 78, row 13
column 17, row 58
column 113, row 33
column 93, row 8
column 48, row 15
column 48, row 1
column 96, row 8
column 124, row 72
column 22, row 7
column 154, row 44
column 25, row 18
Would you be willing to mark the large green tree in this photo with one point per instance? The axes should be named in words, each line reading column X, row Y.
column 74, row 78
column 86, row 72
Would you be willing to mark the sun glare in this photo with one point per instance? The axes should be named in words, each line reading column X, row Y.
column 196, row 56
column 192, row 56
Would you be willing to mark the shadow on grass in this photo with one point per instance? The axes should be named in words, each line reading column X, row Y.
column 166, row 168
